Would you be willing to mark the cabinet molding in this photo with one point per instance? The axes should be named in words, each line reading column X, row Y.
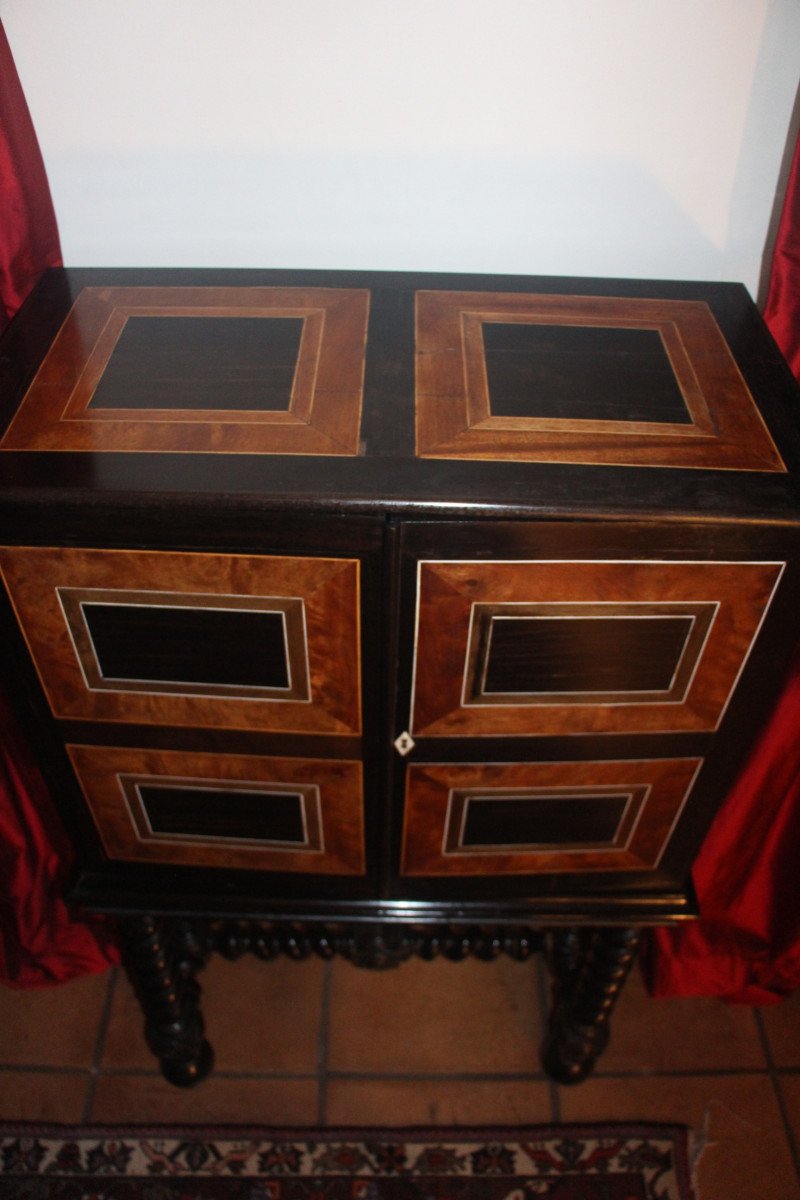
column 315, row 600
column 717, row 607
column 717, row 427
column 115, row 781
column 88, row 396
column 638, row 802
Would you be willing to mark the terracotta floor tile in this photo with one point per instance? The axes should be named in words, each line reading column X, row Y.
column 55, row 1026
column 790, row 1091
column 436, row 1102
column 222, row 1100
column 41, row 1096
column 439, row 1016
column 259, row 1017
column 782, row 1025
column 693, row 1034
column 746, row 1153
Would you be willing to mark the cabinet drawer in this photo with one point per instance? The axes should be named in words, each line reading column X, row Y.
column 223, row 640
column 535, row 818
column 224, row 810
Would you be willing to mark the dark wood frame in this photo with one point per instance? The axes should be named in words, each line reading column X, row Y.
column 373, row 501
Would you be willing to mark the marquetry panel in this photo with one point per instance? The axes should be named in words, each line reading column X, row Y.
column 213, row 810
column 233, row 370
column 236, row 641
column 530, row 818
column 582, row 379
column 557, row 647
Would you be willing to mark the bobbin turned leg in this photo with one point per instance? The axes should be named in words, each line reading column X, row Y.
column 161, row 957
column 589, row 969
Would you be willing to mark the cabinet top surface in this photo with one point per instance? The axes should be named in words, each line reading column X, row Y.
column 497, row 395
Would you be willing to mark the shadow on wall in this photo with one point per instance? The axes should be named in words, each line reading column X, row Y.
column 761, row 173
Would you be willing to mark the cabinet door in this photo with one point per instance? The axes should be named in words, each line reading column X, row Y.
column 210, row 703
column 236, row 641
column 565, row 692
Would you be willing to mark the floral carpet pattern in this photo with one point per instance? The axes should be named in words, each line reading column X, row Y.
column 615, row 1162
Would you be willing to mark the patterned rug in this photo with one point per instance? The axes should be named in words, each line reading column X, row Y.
column 586, row 1162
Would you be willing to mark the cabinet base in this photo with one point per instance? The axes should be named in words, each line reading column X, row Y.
column 162, row 956
column 589, row 968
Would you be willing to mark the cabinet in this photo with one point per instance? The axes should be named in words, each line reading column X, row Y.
column 386, row 614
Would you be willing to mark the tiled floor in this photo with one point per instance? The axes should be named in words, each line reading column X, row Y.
column 427, row 1043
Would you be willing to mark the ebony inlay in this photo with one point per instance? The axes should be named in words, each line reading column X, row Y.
column 220, row 813
column 242, row 363
column 189, row 645
column 583, row 654
column 580, row 372
column 541, row 820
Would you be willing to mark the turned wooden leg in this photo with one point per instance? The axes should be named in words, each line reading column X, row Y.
column 589, row 969
column 161, row 957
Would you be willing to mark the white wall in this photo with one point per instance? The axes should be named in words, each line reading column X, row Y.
column 619, row 137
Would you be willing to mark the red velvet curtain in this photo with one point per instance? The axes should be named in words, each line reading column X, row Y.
column 28, row 231
column 782, row 310
column 746, row 947
column 40, row 943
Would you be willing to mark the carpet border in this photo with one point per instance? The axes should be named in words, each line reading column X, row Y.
column 682, row 1135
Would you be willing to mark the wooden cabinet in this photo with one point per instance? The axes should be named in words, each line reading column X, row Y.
column 383, row 614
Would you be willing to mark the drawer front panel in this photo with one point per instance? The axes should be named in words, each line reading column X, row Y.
column 233, row 811
column 533, row 818
column 582, row 647
column 231, row 641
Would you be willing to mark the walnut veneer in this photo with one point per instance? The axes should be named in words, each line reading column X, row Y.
column 382, row 614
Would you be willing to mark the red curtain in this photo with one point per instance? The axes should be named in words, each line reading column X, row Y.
column 28, row 232
column 40, row 943
column 746, row 946
column 782, row 310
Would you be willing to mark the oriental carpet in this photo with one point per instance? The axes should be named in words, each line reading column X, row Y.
column 582, row 1162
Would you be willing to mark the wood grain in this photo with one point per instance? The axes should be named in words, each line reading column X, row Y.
column 447, row 702
column 660, row 788
column 586, row 652
column 454, row 417
column 340, row 849
column 327, row 587
column 323, row 416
